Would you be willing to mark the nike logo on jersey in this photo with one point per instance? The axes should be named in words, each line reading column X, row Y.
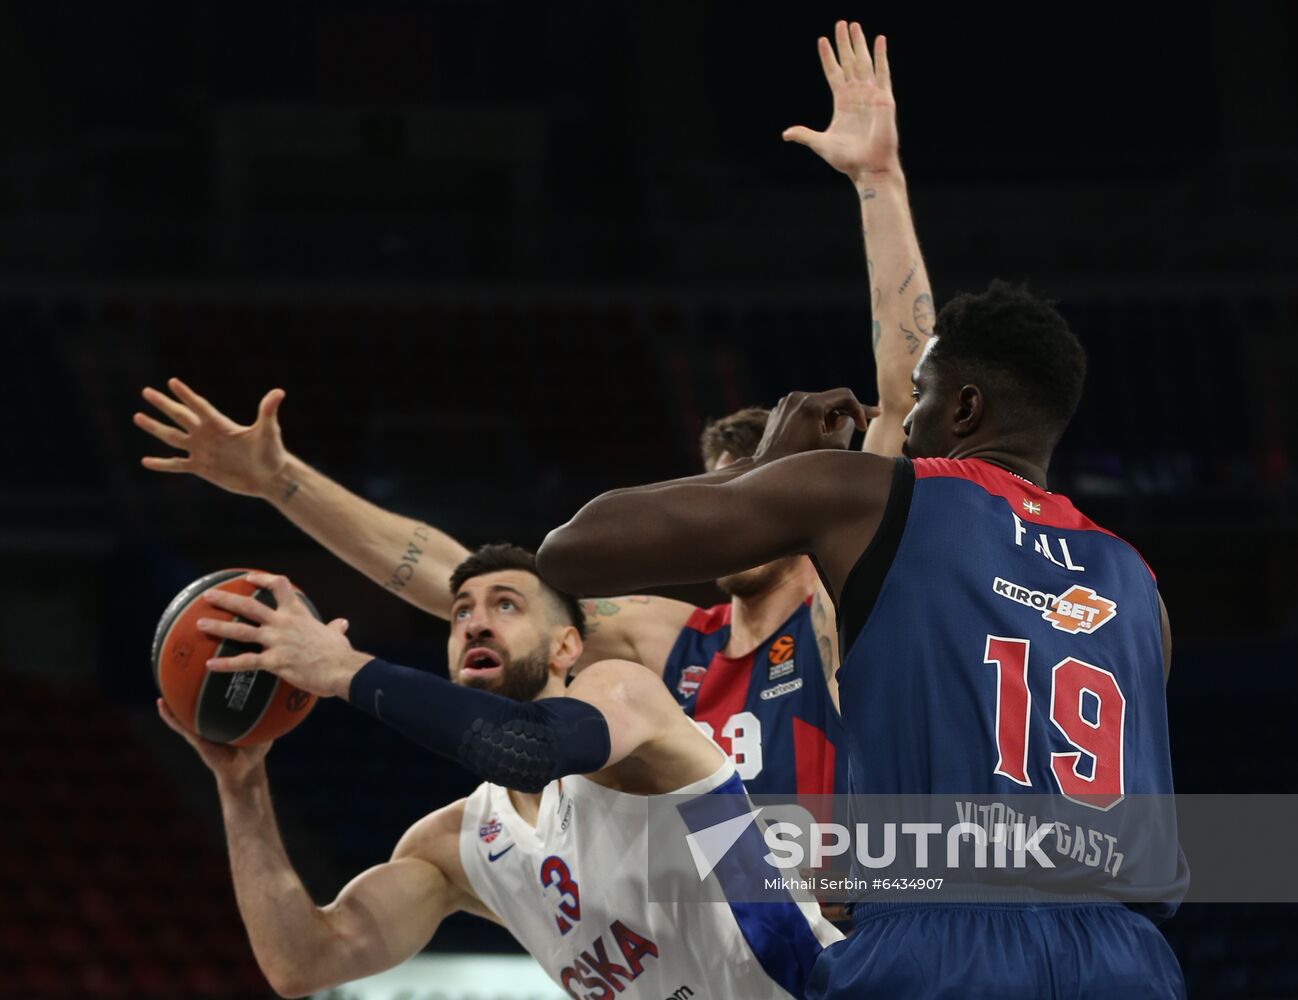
column 497, row 855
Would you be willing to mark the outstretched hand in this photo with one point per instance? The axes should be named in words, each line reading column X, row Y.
column 296, row 645
column 861, row 140
column 238, row 458
column 811, row 421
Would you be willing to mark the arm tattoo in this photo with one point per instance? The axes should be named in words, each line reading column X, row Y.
column 290, row 490
column 912, row 341
column 824, row 637
column 923, row 313
column 867, row 194
column 910, row 276
column 874, row 336
column 405, row 569
column 602, row 607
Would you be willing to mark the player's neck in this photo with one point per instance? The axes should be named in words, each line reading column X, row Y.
column 527, row 805
column 753, row 618
column 1033, row 469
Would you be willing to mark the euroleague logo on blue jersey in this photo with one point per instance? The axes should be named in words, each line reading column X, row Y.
column 781, row 658
column 490, row 830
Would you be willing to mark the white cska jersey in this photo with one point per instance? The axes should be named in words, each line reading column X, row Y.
column 574, row 892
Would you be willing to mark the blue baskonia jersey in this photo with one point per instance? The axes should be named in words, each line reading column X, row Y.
column 1004, row 644
column 769, row 710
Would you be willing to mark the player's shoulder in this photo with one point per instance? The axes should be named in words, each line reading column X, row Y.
column 624, row 679
column 433, row 836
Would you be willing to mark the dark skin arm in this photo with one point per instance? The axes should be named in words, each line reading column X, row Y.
column 824, row 502
column 1167, row 638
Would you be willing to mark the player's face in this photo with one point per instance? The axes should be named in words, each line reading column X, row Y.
column 928, row 434
column 758, row 580
column 501, row 634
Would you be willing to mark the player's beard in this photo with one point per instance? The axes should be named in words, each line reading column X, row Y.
column 758, row 580
column 520, row 678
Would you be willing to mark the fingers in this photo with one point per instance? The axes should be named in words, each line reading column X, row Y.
column 285, row 596
column 882, row 74
column 163, row 432
column 843, row 400
column 268, row 408
column 833, row 72
column 234, row 664
column 165, row 713
column 182, row 415
column 192, row 399
column 844, row 45
column 239, row 631
column 165, row 464
column 340, row 625
column 861, row 52
column 244, row 607
column 803, row 136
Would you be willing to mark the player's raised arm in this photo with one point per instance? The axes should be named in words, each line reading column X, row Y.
column 861, row 142
column 381, row 918
column 405, row 556
column 826, row 503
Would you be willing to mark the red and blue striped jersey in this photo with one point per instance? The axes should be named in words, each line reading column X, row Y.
column 770, row 709
column 998, row 641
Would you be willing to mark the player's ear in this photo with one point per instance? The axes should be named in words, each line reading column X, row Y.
column 969, row 411
column 565, row 649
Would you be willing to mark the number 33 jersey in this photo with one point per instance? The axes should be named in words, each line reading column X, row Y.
column 769, row 710
column 574, row 890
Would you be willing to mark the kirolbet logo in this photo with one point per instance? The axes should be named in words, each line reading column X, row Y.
column 1079, row 609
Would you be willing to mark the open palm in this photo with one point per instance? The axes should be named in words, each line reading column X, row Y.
column 241, row 459
column 862, row 136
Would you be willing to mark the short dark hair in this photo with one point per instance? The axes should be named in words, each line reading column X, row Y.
column 740, row 434
column 501, row 556
column 1021, row 345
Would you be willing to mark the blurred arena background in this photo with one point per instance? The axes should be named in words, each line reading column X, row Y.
column 504, row 257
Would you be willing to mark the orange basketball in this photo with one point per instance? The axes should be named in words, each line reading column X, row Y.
column 251, row 706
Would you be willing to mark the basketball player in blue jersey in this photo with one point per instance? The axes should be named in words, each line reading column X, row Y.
column 553, row 845
column 755, row 672
column 995, row 639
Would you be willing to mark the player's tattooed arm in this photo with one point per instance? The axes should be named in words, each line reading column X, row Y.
column 410, row 559
column 862, row 143
column 825, row 624
column 638, row 628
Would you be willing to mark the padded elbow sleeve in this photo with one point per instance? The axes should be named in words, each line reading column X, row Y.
column 520, row 745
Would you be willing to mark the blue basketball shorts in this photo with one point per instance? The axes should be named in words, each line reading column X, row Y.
column 1102, row 951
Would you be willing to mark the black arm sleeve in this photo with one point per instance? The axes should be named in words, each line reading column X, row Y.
column 521, row 745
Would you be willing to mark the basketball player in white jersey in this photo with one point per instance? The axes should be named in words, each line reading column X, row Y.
column 562, row 865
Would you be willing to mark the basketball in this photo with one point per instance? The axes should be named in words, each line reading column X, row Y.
column 251, row 706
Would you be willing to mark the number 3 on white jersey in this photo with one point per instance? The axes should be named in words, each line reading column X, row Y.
column 743, row 733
